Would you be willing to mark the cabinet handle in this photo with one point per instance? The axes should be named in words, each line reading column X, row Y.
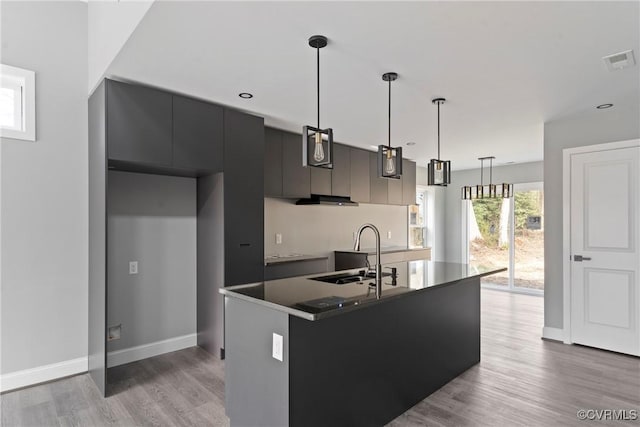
column 242, row 245
column 580, row 258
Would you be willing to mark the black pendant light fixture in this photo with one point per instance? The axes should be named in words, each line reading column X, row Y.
column 389, row 158
column 439, row 171
column 317, row 144
column 491, row 191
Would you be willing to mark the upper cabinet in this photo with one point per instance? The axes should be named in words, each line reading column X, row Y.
column 272, row 162
column 197, row 134
column 354, row 173
column 359, row 173
column 149, row 130
column 379, row 186
column 408, row 182
column 139, row 122
column 296, row 179
column 341, row 173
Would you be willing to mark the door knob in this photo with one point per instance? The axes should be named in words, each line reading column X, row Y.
column 581, row 258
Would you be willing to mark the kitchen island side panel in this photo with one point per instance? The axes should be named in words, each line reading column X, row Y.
column 366, row 367
column 256, row 384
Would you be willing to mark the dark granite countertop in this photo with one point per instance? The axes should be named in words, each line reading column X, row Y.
column 313, row 300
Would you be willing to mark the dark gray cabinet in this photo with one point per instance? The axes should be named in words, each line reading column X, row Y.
column 197, row 135
column 272, row 162
column 243, row 198
column 408, row 182
column 341, row 173
column 320, row 181
column 296, row 179
column 379, row 186
column 139, row 122
column 359, row 173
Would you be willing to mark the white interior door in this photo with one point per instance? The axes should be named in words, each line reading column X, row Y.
column 605, row 260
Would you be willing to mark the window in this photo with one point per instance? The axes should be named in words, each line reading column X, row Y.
column 418, row 221
column 509, row 232
column 17, row 103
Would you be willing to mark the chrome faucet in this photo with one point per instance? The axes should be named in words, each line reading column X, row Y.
column 356, row 247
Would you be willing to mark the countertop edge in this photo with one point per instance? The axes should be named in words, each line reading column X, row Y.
column 229, row 292
column 382, row 251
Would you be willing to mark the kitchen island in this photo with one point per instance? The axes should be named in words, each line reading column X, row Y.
column 307, row 352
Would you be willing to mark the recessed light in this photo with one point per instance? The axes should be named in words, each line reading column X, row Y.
column 411, row 143
column 603, row 106
column 245, row 95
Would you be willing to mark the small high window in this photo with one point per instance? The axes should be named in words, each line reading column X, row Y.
column 17, row 103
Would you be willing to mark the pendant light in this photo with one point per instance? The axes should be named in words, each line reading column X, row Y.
column 389, row 158
column 439, row 171
column 491, row 191
column 317, row 144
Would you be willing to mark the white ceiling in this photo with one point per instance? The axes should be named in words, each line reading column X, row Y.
column 504, row 67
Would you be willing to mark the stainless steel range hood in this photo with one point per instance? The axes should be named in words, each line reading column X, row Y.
column 319, row 199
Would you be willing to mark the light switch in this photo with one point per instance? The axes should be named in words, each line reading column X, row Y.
column 388, row 234
column 133, row 267
column 276, row 351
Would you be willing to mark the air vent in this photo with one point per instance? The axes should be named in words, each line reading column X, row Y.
column 618, row 61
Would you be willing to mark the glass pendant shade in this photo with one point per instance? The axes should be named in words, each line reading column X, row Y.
column 389, row 162
column 439, row 172
column 317, row 147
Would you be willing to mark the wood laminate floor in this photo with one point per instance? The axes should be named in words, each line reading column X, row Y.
column 521, row 380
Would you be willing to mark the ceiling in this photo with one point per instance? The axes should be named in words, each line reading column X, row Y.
column 504, row 67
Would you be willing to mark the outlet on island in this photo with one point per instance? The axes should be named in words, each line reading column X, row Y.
column 388, row 234
column 278, row 238
column 276, row 350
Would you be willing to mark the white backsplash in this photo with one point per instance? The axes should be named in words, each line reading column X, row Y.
column 321, row 229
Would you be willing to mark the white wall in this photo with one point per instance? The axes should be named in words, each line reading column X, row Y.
column 436, row 234
column 152, row 220
column 110, row 25
column 594, row 127
column 318, row 229
column 44, row 191
column 513, row 174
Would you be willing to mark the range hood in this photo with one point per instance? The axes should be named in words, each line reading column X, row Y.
column 319, row 199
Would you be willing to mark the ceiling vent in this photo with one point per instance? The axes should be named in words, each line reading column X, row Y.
column 621, row 60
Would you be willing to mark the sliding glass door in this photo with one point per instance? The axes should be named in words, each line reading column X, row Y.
column 509, row 233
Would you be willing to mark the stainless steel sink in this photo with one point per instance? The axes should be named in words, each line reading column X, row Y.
column 346, row 278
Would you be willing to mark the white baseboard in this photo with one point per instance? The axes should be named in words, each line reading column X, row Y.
column 555, row 334
column 40, row 374
column 128, row 355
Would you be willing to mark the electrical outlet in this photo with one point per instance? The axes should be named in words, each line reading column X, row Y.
column 388, row 234
column 133, row 267
column 276, row 350
column 114, row 333
column 278, row 238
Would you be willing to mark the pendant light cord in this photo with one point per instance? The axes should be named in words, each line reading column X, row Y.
column 318, row 82
column 389, row 136
column 438, row 130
